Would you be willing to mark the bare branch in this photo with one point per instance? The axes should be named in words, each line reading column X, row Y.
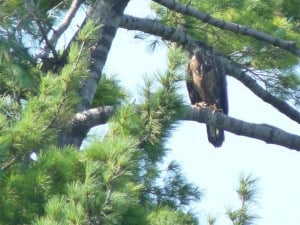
column 181, row 37
column 61, row 28
column 34, row 12
column 85, row 120
column 236, row 28
column 264, row 132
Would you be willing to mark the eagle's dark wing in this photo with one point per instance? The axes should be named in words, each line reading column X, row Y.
column 206, row 82
column 220, row 88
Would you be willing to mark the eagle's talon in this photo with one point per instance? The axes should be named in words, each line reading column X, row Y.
column 214, row 108
column 201, row 104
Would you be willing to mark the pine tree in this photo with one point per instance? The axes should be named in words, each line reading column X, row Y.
column 248, row 195
column 51, row 97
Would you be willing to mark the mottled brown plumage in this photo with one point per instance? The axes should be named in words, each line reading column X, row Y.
column 206, row 84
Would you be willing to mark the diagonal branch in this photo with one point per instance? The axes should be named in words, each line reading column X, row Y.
column 37, row 18
column 181, row 37
column 236, row 28
column 240, row 74
column 61, row 28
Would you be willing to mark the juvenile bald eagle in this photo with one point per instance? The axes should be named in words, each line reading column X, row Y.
column 206, row 85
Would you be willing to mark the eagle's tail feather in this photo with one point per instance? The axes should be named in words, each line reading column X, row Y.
column 215, row 136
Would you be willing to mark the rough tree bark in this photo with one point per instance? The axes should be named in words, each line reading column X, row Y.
column 83, row 121
column 264, row 132
column 108, row 14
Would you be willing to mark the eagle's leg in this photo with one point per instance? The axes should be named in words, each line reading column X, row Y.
column 206, row 105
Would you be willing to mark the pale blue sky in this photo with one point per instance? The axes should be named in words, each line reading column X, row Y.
column 217, row 170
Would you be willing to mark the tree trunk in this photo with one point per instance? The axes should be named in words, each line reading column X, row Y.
column 107, row 14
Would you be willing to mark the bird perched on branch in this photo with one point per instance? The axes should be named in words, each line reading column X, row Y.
column 206, row 85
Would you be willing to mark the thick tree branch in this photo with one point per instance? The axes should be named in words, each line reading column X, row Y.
column 180, row 36
column 61, row 28
column 83, row 122
column 236, row 28
column 264, row 132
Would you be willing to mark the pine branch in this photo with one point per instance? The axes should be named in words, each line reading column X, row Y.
column 236, row 28
column 264, row 132
column 181, row 37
